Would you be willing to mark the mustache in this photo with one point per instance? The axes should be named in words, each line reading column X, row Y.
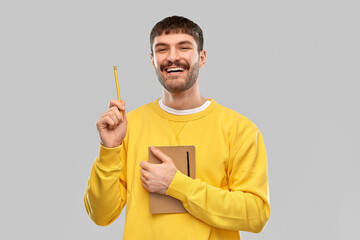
column 176, row 63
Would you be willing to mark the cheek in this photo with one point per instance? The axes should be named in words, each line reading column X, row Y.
column 157, row 62
column 154, row 62
column 194, row 58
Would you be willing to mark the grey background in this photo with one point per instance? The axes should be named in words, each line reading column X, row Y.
column 292, row 67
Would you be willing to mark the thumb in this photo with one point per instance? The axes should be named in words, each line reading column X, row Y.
column 160, row 155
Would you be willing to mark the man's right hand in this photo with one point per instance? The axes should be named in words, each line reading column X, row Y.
column 112, row 124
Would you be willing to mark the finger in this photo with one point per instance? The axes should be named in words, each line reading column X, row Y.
column 160, row 155
column 112, row 113
column 118, row 104
column 105, row 121
column 123, row 105
column 143, row 172
column 115, row 113
column 144, row 165
column 145, row 186
column 123, row 117
column 118, row 115
column 109, row 122
column 143, row 178
column 101, row 121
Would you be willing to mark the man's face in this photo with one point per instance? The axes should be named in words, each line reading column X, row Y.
column 176, row 61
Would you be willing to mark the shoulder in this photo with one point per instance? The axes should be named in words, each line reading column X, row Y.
column 236, row 126
column 140, row 111
column 232, row 117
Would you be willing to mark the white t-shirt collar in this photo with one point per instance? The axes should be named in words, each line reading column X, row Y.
column 183, row 112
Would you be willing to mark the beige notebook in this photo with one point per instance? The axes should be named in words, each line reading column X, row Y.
column 184, row 159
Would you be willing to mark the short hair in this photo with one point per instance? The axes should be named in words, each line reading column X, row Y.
column 177, row 24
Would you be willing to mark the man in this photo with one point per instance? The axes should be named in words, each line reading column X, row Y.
column 230, row 192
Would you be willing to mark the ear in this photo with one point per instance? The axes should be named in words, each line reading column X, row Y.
column 202, row 58
column 152, row 60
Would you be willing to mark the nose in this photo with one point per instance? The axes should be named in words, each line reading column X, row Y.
column 173, row 55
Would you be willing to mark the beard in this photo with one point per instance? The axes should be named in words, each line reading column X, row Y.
column 175, row 85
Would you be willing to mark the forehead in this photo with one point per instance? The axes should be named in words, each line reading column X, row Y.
column 173, row 39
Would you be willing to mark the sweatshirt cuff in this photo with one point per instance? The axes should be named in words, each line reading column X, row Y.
column 180, row 187
column 109, row 157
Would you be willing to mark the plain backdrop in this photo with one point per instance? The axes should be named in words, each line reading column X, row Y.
column 292, row 67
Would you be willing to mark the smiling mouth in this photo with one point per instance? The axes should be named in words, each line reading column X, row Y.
column 174, row 69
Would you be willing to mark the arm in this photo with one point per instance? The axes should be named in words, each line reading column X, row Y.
column 245, row 205
column 105, row 194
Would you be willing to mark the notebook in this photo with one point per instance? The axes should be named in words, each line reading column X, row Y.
column 184, row 159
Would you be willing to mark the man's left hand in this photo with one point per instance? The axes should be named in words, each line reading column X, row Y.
column 156, row 178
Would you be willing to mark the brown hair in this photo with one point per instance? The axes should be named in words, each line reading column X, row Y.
column 177, row 24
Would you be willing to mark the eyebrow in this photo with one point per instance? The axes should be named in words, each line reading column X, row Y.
column 184, row 42
column 179, row 43
column 160, row 45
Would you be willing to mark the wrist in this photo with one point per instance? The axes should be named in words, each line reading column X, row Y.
column 109, row 145
column 109, row 157
column 171, row 178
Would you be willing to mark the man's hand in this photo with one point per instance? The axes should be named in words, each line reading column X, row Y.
column 112, row 124
column 156, row 178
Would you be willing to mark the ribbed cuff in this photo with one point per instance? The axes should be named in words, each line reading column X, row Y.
column 180, row 187
column 109, row 157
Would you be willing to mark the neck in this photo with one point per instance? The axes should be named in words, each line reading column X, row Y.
column 188, row 99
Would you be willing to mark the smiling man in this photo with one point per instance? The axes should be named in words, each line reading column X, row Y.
column 230, row 192
column 177, row 60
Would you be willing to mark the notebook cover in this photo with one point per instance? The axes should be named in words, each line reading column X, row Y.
column 184, row 159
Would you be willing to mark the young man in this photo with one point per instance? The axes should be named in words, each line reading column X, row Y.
column 230, row 192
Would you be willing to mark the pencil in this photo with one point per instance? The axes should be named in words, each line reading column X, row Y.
column 117, row 83
column 117, row 86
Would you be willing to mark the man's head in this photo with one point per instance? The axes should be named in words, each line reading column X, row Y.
column 177, row 53
column 177, row 24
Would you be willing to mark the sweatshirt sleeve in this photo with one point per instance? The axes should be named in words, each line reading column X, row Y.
column 244, row 205
column 105, row 194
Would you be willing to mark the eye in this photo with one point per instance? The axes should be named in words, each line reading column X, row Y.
column 161, row 50
column 185, row 48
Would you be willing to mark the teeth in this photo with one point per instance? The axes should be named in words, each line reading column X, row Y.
column 174, row 69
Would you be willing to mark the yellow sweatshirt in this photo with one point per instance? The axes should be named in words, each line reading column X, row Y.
column 230, row 192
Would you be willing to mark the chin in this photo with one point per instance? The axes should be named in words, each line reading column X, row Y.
column 176, row 84
column 175, row 89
